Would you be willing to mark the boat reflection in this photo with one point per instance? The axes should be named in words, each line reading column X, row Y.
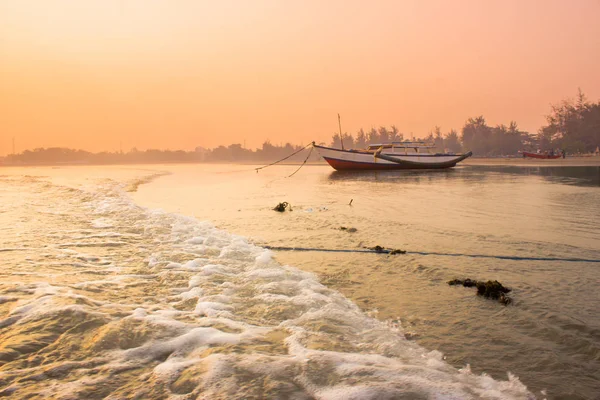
column 570, row 175
column 413, row 176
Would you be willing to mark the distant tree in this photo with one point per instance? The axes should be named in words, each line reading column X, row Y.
column 429, row 138
column 361, row 139
column 238, row 153
column 529, row 141
column 497, row 137
column 395, row 135
column 220, row 153
column 348, row 141
column 384, row 135
column 335, row 141
column 513, row 139
column 452, row 142
column 373, row 136
column 476, row 136
column 437, row 138
column 266, row 152
column 573, row 125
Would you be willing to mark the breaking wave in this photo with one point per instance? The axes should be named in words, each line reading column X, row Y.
column 113, row 300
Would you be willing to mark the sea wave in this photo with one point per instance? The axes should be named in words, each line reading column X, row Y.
column 185, row 310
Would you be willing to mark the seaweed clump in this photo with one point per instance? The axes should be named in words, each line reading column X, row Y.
column 397, row 251
column 490, row 289
column 381, row 249
column 282, row 206
column 377, row 249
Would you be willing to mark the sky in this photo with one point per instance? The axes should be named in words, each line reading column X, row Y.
column 101, row 75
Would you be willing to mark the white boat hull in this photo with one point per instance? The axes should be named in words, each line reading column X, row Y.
column 363, row 160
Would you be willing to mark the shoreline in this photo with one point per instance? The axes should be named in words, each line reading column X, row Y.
column 593, row 161
column 589, row 161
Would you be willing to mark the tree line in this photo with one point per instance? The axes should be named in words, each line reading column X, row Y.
column 572, row 125
column 232, row 153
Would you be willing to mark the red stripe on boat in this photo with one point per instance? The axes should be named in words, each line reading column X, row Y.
column 354, row 165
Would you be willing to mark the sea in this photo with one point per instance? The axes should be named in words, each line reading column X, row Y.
column 183, row 282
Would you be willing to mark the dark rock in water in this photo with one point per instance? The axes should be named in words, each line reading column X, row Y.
column 469, row 283
column 466, row 283
column 397, row 251
column 504, row 299
column 282, row 206
column 490, row 289
column 378, row 249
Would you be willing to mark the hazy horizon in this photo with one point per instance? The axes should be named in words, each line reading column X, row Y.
column 100, row 75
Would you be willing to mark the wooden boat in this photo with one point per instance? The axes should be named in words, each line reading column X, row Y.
column 395, row 155
column 543, row 156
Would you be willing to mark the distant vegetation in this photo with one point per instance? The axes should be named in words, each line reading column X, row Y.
column 231, row 153
column 572, row 125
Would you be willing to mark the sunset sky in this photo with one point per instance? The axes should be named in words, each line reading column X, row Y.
column 178, row 74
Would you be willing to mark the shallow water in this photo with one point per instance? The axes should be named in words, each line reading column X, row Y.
column 549, row 337
column 102, row 294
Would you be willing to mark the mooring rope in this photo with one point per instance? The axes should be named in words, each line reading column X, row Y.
column 302, row 165
column 285, row 158
column 424, row 253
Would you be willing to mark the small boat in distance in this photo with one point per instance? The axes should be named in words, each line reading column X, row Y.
column 393, row 155
column 542, row 156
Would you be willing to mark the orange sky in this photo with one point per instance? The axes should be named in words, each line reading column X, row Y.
column 183, row 73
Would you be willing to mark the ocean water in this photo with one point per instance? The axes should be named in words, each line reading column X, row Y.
column 154, row 282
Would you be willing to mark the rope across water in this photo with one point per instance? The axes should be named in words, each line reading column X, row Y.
column 424, row 253
column 285, row 158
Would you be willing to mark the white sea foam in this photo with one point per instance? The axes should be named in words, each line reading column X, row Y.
column 238, row 317
column 195, row 281
column 195, row 292
column 102, row 223
column 139, row 313
column 211, row 269
column 196, row 240
column 193, row 265
column 264, row 257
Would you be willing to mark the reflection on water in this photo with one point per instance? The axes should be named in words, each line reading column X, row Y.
column 583, row 176
column 392, row 176
column 522, row 221
column 101, row 296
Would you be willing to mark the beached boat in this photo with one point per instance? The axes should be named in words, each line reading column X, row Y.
column 543, row 156
column 395, row 155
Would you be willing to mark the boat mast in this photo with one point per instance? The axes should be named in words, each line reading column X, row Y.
column 340, row 125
